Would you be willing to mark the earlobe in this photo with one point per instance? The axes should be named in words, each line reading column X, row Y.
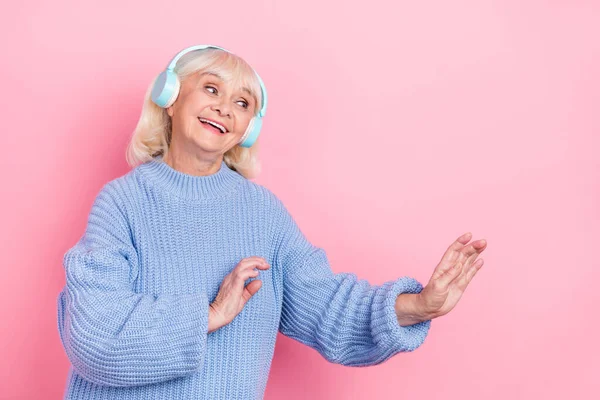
column 170, row 111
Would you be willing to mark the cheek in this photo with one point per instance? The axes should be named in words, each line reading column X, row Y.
column 243, row 124
column 194, row 102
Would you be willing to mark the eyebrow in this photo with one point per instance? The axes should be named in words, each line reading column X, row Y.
column 245, row 89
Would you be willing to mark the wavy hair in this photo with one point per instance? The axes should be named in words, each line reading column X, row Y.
column 152, row 134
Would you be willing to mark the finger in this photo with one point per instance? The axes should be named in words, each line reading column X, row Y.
column 262, row 262
column 254, row 262
column 254, row 259
column 466, row 253
column 468, row 263
column 461, row 241
column 472, row 251
column 453, row 250
column 468, row 276
column 469, row 255
column 241, row 275
column 442, row 268
column 449, row 275
column 257, row 258
column 452, row 255
column 480, row 245
column 472, row 258
column 263, row 266
column 245, row 274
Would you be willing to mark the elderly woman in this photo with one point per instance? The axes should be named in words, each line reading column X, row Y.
column 187, row 269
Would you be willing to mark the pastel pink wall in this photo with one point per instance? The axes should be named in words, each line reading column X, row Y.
column 392, row 128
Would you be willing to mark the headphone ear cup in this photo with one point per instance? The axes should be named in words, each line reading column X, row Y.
column 166, row 89
column 252, row 132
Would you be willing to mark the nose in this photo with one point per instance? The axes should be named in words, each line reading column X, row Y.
column 222, row 107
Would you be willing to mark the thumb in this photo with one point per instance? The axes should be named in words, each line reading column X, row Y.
column 251, row 289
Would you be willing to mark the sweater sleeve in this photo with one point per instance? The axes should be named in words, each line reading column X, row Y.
column 347, row 320
column 112, row 335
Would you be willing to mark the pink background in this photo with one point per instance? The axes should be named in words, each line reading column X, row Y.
column 392, row 128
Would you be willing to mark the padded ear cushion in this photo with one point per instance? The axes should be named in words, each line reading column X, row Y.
column 166, row 89
column 252, row 132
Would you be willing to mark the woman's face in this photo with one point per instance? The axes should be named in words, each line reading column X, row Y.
column 206, row 96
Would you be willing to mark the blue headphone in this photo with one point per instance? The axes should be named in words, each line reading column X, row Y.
column 167, row 85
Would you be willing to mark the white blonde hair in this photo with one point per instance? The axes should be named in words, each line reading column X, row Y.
column 152, row 135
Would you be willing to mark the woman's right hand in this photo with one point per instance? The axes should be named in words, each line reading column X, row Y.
column 233, row 296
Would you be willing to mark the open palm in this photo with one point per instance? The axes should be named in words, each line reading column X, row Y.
column 452, row 275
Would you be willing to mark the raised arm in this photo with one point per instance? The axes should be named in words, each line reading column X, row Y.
column 348, row 321
column 112, row 335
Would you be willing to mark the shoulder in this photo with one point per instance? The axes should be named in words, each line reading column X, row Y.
column 270, row 206
column 278, row 215
column 265, row 196
column 117, row 193
column 116, row 187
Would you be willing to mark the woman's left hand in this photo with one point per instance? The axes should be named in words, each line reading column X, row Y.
column 451, row 276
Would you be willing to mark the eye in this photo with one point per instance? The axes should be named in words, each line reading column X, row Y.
column 244, row 102
column 211, row 87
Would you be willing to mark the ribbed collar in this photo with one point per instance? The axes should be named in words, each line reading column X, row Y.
column 189, row 186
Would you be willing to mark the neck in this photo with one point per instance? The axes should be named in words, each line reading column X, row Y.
column 192, row 165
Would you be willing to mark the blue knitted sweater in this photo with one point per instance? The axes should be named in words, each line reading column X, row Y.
column 133, row 314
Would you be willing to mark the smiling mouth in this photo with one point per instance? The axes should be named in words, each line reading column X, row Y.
column 213, row 126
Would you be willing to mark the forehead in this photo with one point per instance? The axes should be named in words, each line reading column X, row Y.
column 216, row 75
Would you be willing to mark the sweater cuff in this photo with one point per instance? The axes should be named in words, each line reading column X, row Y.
column 387, row 332
column 193, row 318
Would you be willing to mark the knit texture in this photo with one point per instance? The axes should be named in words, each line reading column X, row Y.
column 133, row 314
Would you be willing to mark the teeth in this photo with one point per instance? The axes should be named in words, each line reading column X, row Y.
column 220, row 127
